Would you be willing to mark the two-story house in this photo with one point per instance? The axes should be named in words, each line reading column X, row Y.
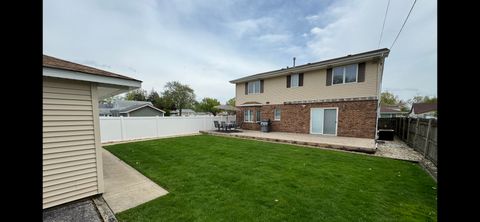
column 337, row 97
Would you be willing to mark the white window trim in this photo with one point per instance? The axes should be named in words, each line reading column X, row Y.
column 250, row 115
column 336, row 121
column 344, row 70
column 275, row 115
column 298, row 80
column 259, row 87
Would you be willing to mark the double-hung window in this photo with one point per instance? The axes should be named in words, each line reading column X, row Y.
column 258, row 115
column 294, row 80
column 248, row 115
column 345, row 74
column 277, row 114
column 254, row 87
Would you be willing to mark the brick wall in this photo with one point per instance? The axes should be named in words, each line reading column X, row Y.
column 355, row 118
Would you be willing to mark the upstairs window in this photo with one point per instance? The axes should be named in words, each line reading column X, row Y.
column 294, row 80
column 345, row 74
column 254, row 87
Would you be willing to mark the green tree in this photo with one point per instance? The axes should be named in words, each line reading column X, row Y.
column 208, row 105
column 137, row 95
column 180, row 95
column 388, row 98
column 231, row 102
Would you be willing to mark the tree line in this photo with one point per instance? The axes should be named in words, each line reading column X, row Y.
column 388, row 98
column 175, row 96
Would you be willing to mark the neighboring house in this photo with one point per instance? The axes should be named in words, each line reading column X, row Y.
column 129, row 108
column 333, row 97
column 392, row 111
column 423, row 110
column 72, row 155
column 185, row 112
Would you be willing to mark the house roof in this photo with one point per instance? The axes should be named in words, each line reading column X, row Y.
column 390, row 109
column 138, row 106
column 360, row 57
column 419, row 108
column 52, row 62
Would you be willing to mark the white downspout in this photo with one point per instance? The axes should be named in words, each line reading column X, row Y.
column 379, row 92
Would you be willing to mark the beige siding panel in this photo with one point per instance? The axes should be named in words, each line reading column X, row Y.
column 68, row 174
column 66, row 107
column 68, row 123
column 67, row 102
column 67, row 118
column 67, row 138
column 65, row 84
column 70, row 193
column 70, row 184
column 68, row 169
column 67, row 113
column 68, row 133
column 67, row 91
column 66, row 96
column 66, row 144
column 66, row 128
column 69, row 179
column 76, row 196
column 314, row 87
column 70, row 166
column 67, row 154
column 68, row 159
column 67, row 149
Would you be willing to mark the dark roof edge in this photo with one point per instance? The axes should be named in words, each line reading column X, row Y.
column 317, row 65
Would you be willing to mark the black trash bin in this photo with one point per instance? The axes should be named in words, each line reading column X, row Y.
column 385, row 134
column 265, row 125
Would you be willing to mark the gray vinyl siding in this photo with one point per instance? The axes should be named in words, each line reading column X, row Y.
column 146, row 111
column 70, row 148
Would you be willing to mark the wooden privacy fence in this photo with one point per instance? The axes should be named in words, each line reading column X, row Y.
column 420, row 134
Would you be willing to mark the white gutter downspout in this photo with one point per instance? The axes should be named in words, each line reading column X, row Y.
column 379, row 92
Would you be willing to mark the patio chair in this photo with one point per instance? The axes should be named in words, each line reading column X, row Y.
column 217, row 125
column 224, row 125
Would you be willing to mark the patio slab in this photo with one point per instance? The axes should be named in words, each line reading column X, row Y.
column 125, row 187
column 336, row 142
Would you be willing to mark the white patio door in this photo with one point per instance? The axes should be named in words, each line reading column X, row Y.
column 323, row 121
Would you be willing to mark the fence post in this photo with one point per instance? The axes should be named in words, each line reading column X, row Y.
column 403, row 129
column 416, row 133
column 426, row 138
column 156, row 126
column 122, row 128
column 408, row 127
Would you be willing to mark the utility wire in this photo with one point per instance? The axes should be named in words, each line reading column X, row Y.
column 383, row 26
column 403, row 24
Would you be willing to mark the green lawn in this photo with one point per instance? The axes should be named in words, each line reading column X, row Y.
column 213, row 178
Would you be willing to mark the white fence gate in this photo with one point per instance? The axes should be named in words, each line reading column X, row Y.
column 131, row 128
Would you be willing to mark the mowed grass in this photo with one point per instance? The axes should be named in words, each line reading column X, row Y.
column 212, row 178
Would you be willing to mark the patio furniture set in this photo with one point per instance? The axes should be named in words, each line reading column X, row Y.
column 225, row 126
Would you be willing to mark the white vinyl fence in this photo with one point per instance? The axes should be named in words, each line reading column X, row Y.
column 131, row 128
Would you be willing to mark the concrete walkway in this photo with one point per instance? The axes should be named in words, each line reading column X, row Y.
column 125, row 187
column 335, row 142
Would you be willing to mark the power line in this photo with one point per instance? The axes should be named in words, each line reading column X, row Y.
column 403, row 24
column 383, row 26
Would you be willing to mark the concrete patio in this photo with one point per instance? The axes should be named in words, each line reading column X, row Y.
column 125, row 187
column 334, row 142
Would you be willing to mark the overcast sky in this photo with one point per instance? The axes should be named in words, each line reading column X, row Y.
column 205, row 44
